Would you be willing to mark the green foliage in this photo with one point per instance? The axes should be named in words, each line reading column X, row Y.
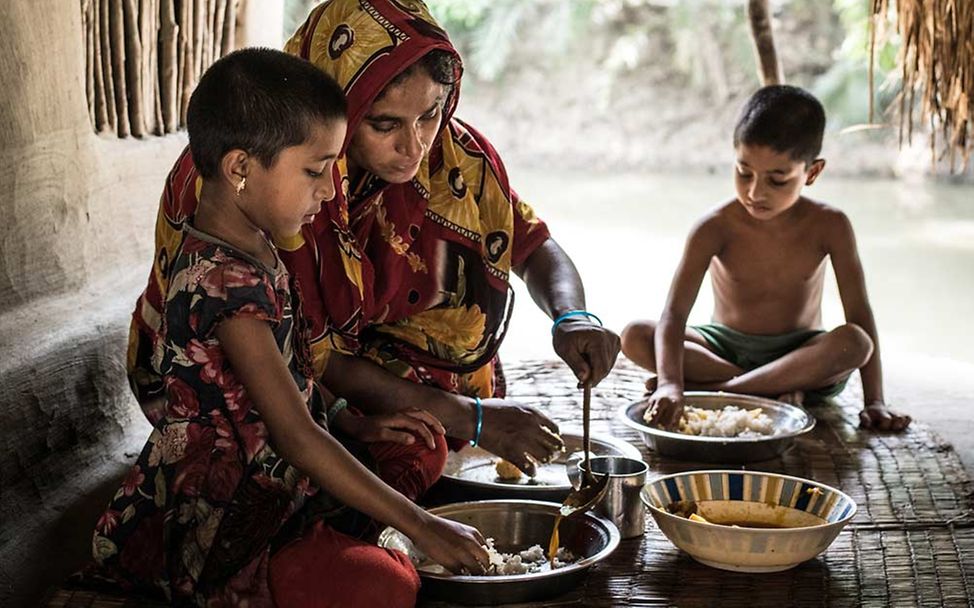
column 685, row 38
column 688, row 23
column 489, row 33
column 459, row 15
column 295, row 12
column 844, row 88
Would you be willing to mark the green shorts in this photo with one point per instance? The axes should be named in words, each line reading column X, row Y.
column 749, row 351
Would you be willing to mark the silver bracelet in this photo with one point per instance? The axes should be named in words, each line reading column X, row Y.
column 339, row 404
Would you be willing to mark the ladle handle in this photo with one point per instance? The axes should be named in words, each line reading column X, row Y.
column 586, row 411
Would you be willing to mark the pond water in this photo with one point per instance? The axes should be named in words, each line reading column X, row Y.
column 626, row 234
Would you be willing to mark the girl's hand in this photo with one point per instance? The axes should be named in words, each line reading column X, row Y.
column 455, row 546
column 402, row 427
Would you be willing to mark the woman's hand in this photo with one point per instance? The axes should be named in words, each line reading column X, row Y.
column 665, row 406
column 589, row 350
column 456, row 547
column 402, row 427
column 519, row 434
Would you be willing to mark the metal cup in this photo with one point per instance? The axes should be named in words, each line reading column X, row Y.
column 621, row 504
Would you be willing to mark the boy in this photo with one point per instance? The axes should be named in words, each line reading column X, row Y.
column 766, row 252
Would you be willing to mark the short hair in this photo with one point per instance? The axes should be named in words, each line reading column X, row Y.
column 260, row 101
column 440, row 65
column 784, row 118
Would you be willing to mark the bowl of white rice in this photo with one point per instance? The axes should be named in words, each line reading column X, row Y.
column 723, row 428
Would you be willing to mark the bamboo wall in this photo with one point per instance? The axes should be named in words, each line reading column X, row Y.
column 143, row 58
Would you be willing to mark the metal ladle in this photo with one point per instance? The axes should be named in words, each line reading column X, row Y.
column 590, row 488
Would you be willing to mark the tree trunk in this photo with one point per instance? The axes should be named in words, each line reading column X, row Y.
column 759, row 15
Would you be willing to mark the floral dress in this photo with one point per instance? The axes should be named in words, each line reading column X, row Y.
column 197, row 513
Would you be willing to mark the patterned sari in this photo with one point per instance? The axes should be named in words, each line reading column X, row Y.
column 414, row 276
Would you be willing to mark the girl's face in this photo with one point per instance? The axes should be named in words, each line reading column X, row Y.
column 769, row 182
column 281, row 198
column 399, row 129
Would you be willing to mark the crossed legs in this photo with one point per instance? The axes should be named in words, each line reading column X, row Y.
column 822, row 361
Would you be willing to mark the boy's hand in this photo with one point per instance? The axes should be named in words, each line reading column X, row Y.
column 589, row 350
column 665, row 406
column 519, row 434
column 456, row 547
column 879, row 417
column 401, row 427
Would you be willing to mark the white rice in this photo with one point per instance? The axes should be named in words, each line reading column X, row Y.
column 730, row 421
column 531, row 560
column 528, row 561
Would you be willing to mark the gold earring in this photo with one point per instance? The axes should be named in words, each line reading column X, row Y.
column 241, row 185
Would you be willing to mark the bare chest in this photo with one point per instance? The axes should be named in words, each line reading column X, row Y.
column 770, row 266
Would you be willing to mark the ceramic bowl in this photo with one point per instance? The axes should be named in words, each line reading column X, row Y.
column 781, row 521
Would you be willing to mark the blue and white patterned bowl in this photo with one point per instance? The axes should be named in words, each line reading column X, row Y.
column 796, row 518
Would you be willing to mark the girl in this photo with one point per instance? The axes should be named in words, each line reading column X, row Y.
column 244, row 438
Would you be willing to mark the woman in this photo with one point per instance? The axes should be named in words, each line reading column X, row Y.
column 405, row 273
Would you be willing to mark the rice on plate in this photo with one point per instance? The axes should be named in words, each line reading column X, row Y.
column 729, row 421
column 529, row 561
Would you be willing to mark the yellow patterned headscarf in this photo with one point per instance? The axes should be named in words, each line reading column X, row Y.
column 420, row 279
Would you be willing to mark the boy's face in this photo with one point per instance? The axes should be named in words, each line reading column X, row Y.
column 290, row 192
column 399, row 129
column 769, row 182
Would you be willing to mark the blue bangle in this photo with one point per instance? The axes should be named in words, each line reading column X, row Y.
column 573, row 313
column 480, row 422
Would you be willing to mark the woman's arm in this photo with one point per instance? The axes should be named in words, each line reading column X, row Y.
column 510, row 431
column 374, row 390
column 257, row 363
column 556, row 287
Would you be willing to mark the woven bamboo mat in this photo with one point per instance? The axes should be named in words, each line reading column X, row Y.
column 911, row 543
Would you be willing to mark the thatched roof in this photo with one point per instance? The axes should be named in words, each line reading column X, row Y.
column 937, row 63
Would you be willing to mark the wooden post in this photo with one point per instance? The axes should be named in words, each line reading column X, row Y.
column 101, row 112
column 116, row 23
column 759, row 16
column 133, row 66
column 229, row 27
column 168, row 63
column 144, row 57
column 87, row 24
column 148, row 25
column 106, row 62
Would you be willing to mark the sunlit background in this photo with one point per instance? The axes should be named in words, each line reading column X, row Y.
column 614, row 120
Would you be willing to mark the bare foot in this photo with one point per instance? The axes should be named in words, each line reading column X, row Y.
column 651, row 383
column 794, row 398
column 881, row 418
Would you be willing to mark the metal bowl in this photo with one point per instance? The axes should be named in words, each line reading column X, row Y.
column 514, row 525
column 790, row 421
column 470, row 472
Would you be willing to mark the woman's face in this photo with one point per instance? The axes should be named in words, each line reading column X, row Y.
column 399, row 129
